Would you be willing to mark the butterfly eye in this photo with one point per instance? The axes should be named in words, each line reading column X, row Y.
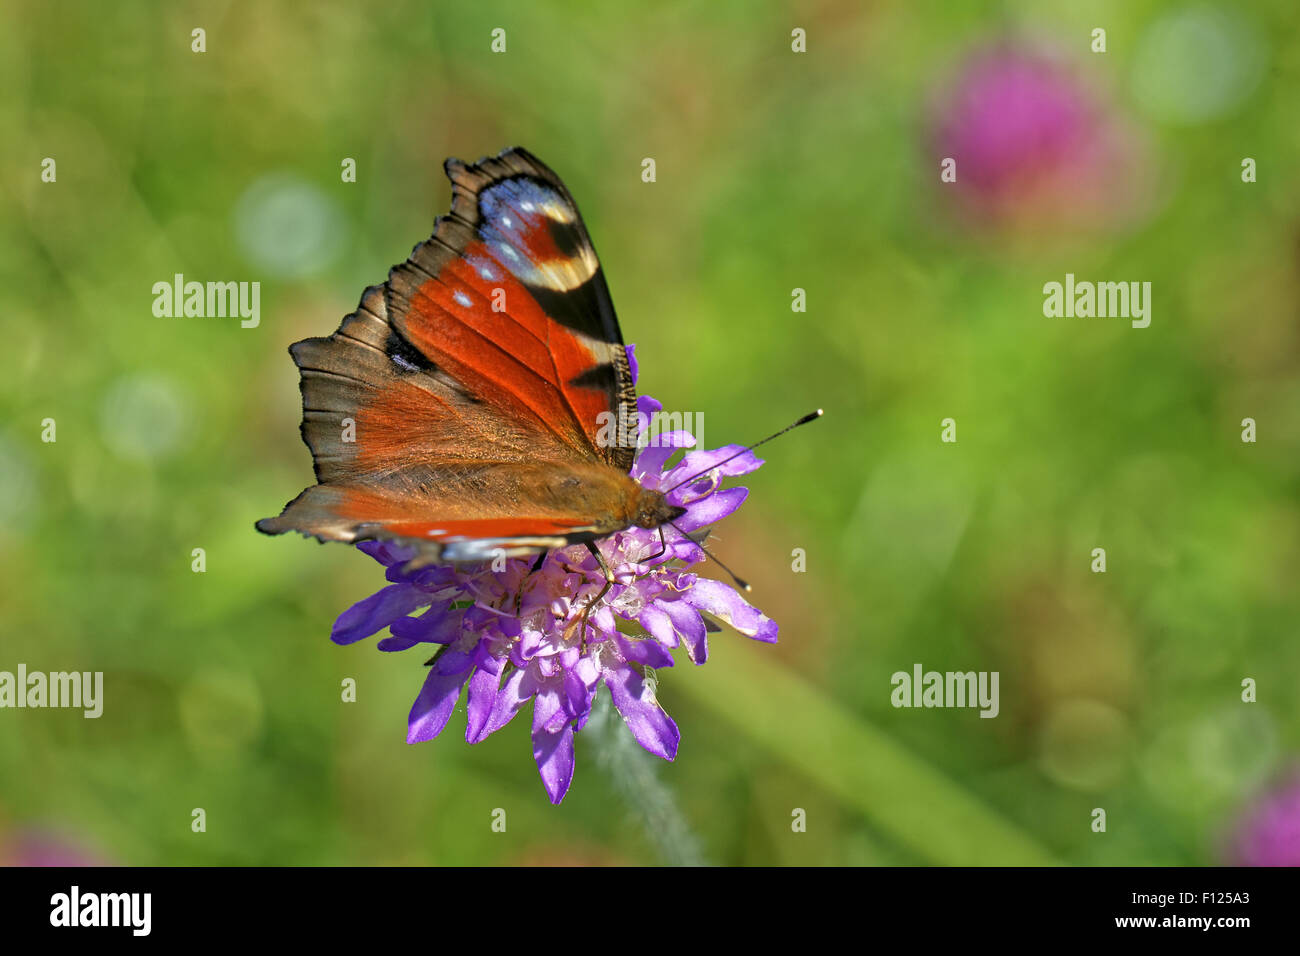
column 654, row 510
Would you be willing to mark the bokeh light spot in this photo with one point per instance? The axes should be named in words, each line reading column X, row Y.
column 144, row 418
column 288, row 227
column 1197, row 64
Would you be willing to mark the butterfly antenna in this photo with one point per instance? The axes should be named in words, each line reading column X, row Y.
column 739, row 581
column 811, row 416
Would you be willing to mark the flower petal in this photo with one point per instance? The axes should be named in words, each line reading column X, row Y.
column 723, row 602
column 453, row 660
column 376, row 613
column 688, row 623
column 646, row 409
column 697, row 461
column 433, row 707
column 713, row 508
column 603, row 619
column 440, row 624
column 484, row 687
column 650, row 653
column 554, row 755
column 396, row 643
column 578, row 695
column 386, row 552
column 649, row 464
column 512, row 695
column 548, row 707
column 655, row 620
column 635, row 699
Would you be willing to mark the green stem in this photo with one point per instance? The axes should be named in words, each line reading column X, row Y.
column 634, row 775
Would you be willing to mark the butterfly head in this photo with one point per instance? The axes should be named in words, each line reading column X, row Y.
column 654, row 510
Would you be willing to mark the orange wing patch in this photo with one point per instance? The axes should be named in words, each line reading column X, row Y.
column 517, row 358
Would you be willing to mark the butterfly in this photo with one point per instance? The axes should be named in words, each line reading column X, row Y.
column 464, row 407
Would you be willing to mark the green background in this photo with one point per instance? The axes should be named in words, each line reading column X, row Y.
column 775, row 171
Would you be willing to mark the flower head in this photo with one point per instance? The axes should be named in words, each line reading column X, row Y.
column 1035, row 147
column 514, row 634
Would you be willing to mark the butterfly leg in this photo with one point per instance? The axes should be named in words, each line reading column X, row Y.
column 537, row 566
column 663, row 547
column 609, row 582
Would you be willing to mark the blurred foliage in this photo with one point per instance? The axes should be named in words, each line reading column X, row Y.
column 775, row 170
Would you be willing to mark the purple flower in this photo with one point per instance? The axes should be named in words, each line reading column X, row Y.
column 511, row 636
column 1269, row 832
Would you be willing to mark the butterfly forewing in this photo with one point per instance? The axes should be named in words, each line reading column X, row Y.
column 466, row 400
column 509, row 297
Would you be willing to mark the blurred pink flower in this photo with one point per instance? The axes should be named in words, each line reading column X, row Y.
column 1033, row 146
column 1268, row 833
column 39, row 848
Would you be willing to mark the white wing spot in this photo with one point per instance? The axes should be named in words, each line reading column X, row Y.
column 461, row 299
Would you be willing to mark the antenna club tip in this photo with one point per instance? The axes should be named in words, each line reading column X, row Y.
column 744, row 585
